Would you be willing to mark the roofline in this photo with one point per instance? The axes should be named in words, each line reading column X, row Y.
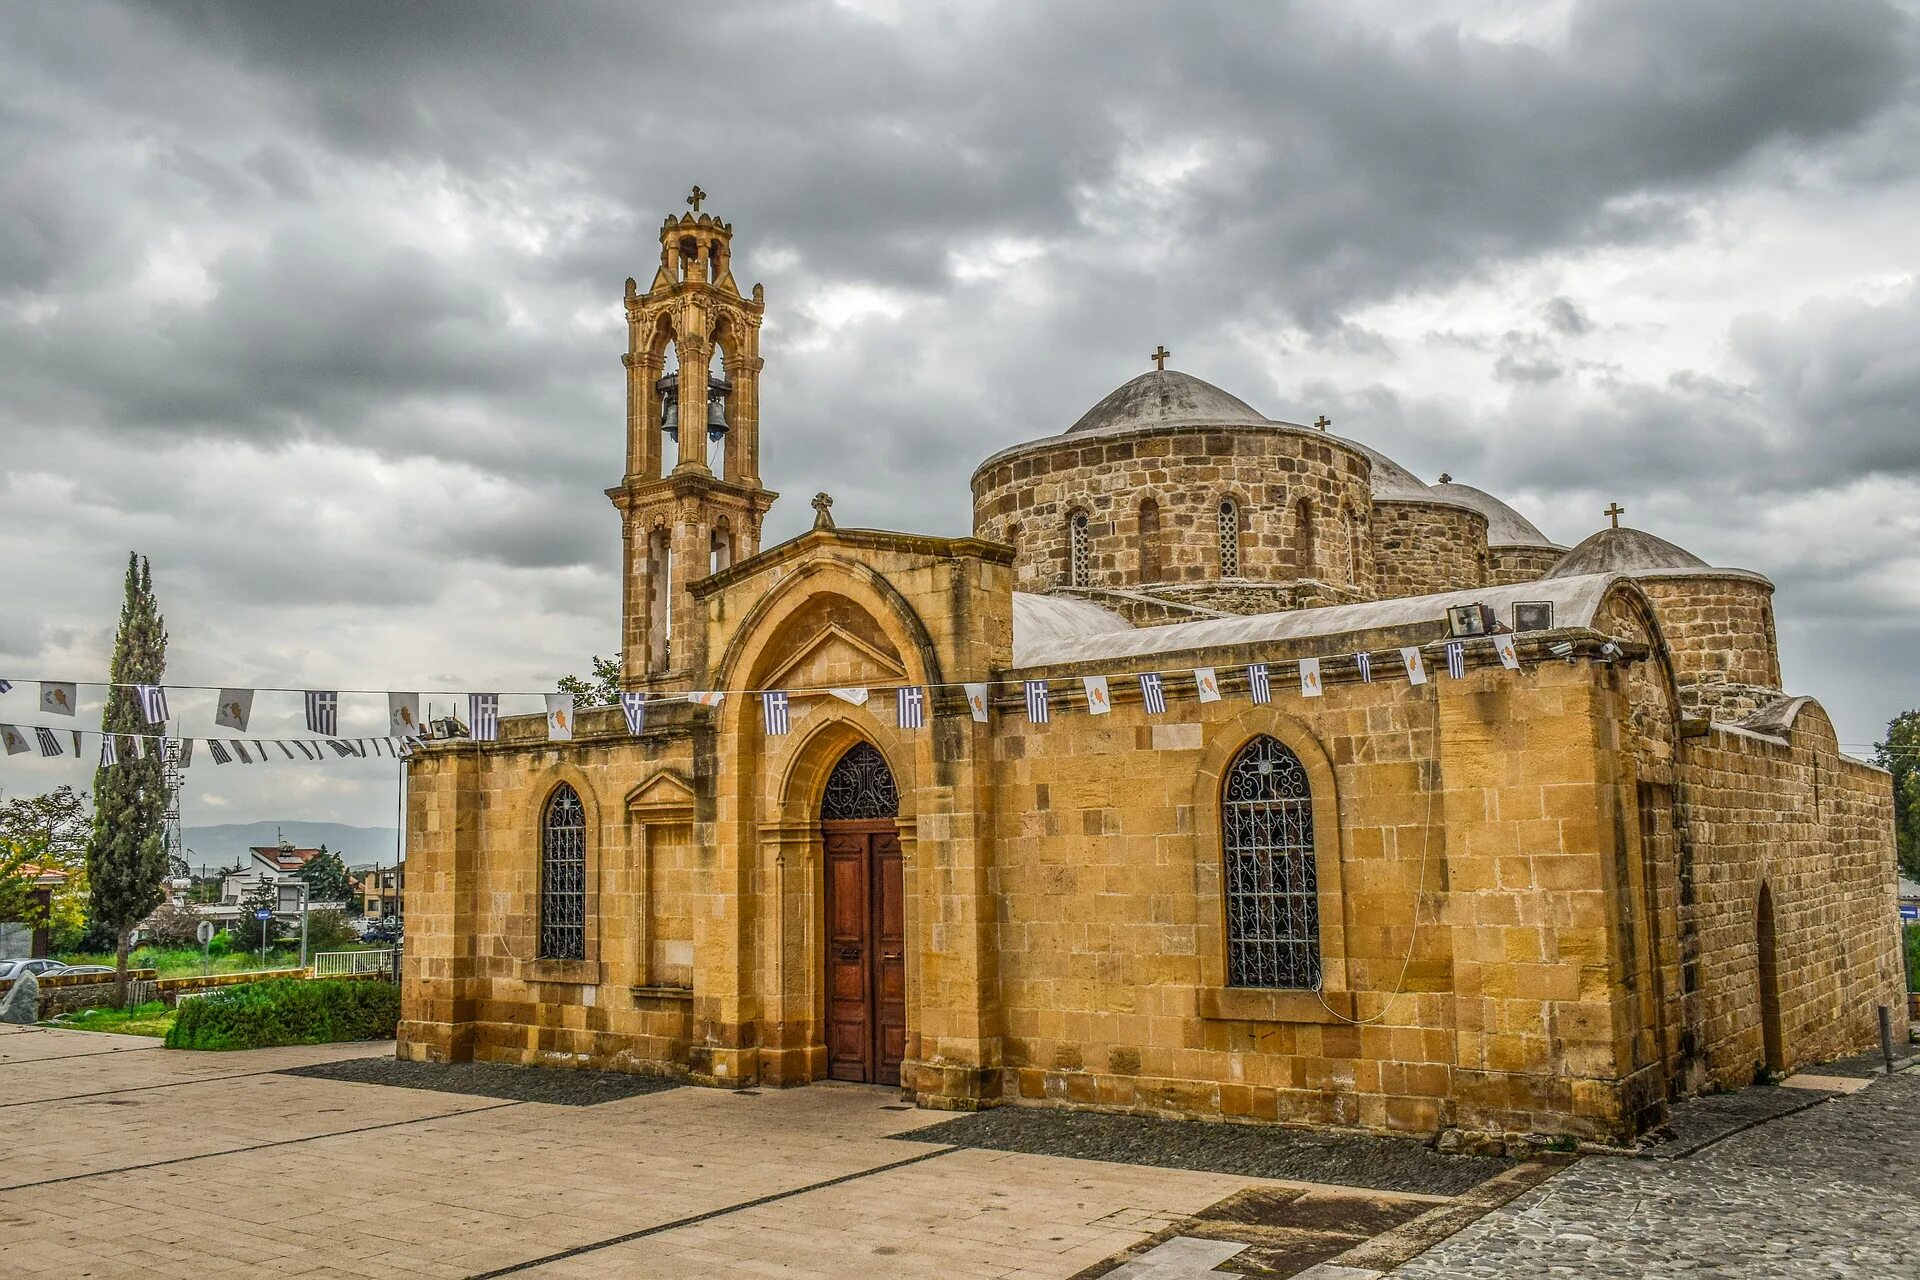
column 865, row 539
column 1167, row 428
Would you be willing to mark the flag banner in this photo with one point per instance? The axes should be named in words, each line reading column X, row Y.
column 240, row 752
column 1153, row 693
column 403, row 714
column 858, row 697
column 360, row 748
column 16, row 741
column 1416, row 669
column 6, row 686
column 1206, row 684
column 1364, row 661
column 323, row 712
column 285, row 750
column 107, row 754
column 1037, row 701
column 236, row 708
column 406, row 748
column 59, row 697
column 483, row 716
column 1457, row 659
column 133, row 751
column 1099, row 697
column 184, row 756
column 76, row 744
column 773, row 711
column 341, row 749
column 559, row 717
column 218, row 750
column 1509, row 656
column 1259, row 688
column 49, row 742
column 1310, row 686
column 153, row 702
column 977, row 701
column 706, row 697
column 909, row 707
column 305, row 750
column 259, row 751
column 635, row 707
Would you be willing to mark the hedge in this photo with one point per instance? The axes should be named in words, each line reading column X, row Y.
column 254, row 1015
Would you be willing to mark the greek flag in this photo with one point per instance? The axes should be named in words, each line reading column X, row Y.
column 341, row 749
column 49, row 742
column 1153, row 694
column 6, row 686
column 306, row 750
column 219, row 751
column 323, row 712
column 285, row 750
column 634, row 705
column 153, row 702
column 910, row 706
column 183, row 756
column 773, row 711
column 107, row 754
column 483, row 714
column 1037, row 701
column 1310, row 678
column 1457, row 659
column 1364, row 661
column 1257, row 684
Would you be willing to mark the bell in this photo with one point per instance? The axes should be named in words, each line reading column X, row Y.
column 716, row 420
column 670, row 419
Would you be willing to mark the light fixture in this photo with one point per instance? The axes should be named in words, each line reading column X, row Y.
column 1533, row 615
column 1465, row 620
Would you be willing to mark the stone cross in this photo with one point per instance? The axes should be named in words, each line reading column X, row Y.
column 1615, row 510
column 1445, row 478
column 697, row 196
column 1323, row 422
column 823, row 511
column 1159, row 356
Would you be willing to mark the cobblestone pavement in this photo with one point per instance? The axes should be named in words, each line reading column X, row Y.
column 1831, row 1191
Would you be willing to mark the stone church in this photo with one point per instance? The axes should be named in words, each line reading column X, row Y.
column 1546, row 900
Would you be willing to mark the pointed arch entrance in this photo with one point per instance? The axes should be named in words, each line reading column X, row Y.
column 865, row 936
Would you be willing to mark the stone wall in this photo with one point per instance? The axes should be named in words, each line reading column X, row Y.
column 1720, row 628
column 1520, row 564
column 1024, row 499
column 1420, row 548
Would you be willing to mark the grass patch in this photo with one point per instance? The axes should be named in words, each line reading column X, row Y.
column 254, row 1015
column 151, row 1019
column 186, row 962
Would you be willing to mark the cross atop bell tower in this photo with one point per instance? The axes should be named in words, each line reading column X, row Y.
column 691, row 501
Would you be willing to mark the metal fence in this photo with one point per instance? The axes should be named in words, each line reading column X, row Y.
column 334, row 964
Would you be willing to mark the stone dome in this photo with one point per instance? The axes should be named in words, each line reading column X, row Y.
column 1164, row 397
column 1391, row 481
column 1625, row 551
column 1505, row 526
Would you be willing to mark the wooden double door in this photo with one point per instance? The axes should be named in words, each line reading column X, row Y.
column 866, row 963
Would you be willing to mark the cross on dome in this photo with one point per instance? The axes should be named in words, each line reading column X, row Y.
column 1159, row 357
column 1323, row 422
column 697, row 196
column 1615, row 510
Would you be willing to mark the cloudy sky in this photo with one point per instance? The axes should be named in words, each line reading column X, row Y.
column 318, row 305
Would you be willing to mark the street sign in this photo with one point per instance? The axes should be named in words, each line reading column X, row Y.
column 1910, row 911
column 263, row 914
column 205, row 932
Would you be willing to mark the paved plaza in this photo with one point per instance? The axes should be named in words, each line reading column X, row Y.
column 121, row 1158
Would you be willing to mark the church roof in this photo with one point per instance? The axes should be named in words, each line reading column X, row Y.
column 1625, row 551
column 1576, row 600
column 1043, row 620
column 1164, row 397
column 1505, row 526
column 1391, row 481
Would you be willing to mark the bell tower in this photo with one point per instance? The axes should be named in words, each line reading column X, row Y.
column 691, row 502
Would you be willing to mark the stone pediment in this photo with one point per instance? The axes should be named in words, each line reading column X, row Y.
column 835, row 656
column 665, row 795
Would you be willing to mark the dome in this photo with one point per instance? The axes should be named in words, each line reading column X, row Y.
column 1163, row 398
column 1625, row 551
column 1505, row 526
column 1391, row 481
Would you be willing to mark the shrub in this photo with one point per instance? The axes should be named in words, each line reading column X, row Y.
column 254, row 1015
column 220, row 944
column 328, row 930
column 173, row 926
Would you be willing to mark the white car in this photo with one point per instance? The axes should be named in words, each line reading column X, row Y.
column 38, row 968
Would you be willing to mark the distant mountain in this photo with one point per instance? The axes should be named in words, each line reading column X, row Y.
column 223, row 844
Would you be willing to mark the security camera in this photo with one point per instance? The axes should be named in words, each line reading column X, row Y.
column 1562, row 650
column 1609, row 651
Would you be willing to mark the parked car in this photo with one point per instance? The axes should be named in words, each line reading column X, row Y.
column 387, row 930
column 38, row 968
column 71, row 969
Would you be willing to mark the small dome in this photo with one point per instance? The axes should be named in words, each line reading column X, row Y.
column 1164, row 397
column 1505, row 526
column 1391, row 481
column 1625, row 551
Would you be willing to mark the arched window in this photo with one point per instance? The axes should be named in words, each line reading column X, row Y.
column 1272, row 885
column 1229, row 539
column 1303, row 538
column 720, row 547
column 860, row 787
column 1079, row 557
column 563, row 877
column 1354, row 534
column 1149, row 540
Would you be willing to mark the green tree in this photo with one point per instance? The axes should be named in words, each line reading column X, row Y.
column 127, row 854
column 601, row 691
column 251, row 933
column 327, row 878
column 54, row 828
column 1900, row 756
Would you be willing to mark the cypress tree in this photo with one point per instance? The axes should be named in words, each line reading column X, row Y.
column 127, row 856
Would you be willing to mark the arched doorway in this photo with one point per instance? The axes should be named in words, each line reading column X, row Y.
column 866, row 960
column 1772, row 1042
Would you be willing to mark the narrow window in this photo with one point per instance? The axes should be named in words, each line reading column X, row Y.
column 720, row 543
column 1353, row 547
column 1272, row 884
column 563, row 878
column 1149, row 540
column 1079, row 559
column 1229, row 539
column 1303, row 538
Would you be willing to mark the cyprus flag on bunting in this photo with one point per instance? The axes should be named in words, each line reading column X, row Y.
column 1310, row 678
column 977, row 701
column 403, row 714
column 855, row 696
column 1416, row 668
column 59, row 697
column 1098, row 701
column 236, row 708
column 1509, row 656
column 16, row 741
column 706, row 697
column 1206, row 684
column 559, row 717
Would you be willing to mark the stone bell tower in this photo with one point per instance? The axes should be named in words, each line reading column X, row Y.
column 691, row 502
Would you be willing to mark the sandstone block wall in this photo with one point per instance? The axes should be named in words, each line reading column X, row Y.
column 1520, row 564
column 1420, row 548
column 1720, row 629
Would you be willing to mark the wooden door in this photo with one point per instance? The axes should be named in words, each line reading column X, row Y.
column 866, row 952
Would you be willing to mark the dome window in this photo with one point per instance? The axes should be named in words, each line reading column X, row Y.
column 1229, row 539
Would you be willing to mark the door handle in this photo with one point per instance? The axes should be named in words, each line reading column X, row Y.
column 890, row 955
column 847, row 953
